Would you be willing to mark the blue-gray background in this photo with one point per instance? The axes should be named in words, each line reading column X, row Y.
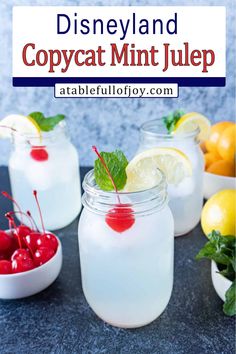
column 111, row 123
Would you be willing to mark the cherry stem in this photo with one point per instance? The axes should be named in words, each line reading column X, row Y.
column 8, row 196
column 40, row 213
column 21, row 213
column 107, row 170
column 16, row 131
column 13, row 213
column 10, row 225
column 32, row 220
column 11, row 220
column 6, row 127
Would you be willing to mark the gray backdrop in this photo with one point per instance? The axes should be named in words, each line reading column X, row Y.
column 111, row 123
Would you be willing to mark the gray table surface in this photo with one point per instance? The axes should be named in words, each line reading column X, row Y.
column 59, row 320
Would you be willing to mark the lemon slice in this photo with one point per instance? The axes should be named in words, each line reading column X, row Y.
column 20, row 124
column 188, row 122
column 142, row 172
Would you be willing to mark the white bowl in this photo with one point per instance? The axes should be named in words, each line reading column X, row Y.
column 19, row 285
column 215, row 183
column 221, row 284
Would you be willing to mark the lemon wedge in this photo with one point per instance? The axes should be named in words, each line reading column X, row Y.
column 142, row 171
column 190, row 121
column 20, row 124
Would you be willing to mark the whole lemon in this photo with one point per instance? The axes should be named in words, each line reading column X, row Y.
column 219, row 213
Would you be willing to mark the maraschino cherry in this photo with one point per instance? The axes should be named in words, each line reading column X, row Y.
column 121, row 217
column 20, row 265
column 5, row 242
column 32, row 239
column 20, row 253
column 43, row 255
column 23, row 230
column 15, row 231
column 48, row 240
column 5, row 267
column 7, row 245
column 25, row 248
column 47, row 243
column 21, row 259
column 20, row 231
column 39, row 153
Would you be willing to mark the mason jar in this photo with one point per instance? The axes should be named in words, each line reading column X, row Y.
column 186, row 198
column 126, row 253
column 49, row 165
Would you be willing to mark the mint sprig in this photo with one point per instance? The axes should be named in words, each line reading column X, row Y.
column 229, row 306
column 171, row 120
column 221, row 249
column 46, row 124
column 116, row 163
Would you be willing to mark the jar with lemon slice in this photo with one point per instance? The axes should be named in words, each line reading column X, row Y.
column 43, row 159
column 126, row 243
column 176, row 152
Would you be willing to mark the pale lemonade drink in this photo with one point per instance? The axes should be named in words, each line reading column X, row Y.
column 51, row 167
column 186, row 198
column 127, row 275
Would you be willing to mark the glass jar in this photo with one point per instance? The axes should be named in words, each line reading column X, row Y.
column 126, row 253
column 186, row 198
column 49, row 165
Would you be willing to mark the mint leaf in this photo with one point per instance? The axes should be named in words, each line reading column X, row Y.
column 221, row 249
column 233, row 261
column 171, row 120
column 122, row 158
column 209, row 251
column 230, row 300
column 228, row 272
column 38, row 117
column 50, row 122
column 116, row 163
column 46, row 124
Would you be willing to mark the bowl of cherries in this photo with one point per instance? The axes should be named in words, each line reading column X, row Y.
column 30, row 259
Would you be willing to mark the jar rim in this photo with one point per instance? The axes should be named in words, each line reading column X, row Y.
column 43, row 139
column 144, row 201
column 156, row 123
column 90, row 174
